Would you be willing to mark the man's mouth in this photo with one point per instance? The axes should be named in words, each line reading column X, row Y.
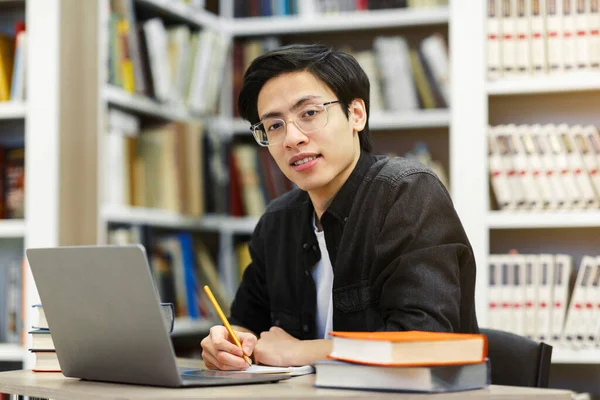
column 304, row 160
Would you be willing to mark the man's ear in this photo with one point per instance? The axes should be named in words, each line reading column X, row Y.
column 358, row 114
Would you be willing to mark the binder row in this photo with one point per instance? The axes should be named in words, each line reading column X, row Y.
column 529, row 295
column 526, row 37
column 544, row 167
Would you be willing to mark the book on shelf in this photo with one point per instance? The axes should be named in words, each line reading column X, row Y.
column 544, row 167
column 409, row 348
column 309, row 8
column 254, row 179
column 243, row 258
column 14, row 183
column 13, row 62
column 11, row 296
column 445, row 378
column 543, row 297
column 17, row 86
column 535, row 37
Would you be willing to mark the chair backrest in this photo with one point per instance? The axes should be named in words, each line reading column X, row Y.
column 517, row 360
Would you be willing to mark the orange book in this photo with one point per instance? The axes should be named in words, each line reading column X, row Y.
column 411, row 348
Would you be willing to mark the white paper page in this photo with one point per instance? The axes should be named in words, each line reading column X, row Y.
column 265, row 369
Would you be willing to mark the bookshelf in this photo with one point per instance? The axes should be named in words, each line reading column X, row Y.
column 544, row 99
column 46, row 124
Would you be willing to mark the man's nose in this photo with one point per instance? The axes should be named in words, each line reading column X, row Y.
column 294, row 136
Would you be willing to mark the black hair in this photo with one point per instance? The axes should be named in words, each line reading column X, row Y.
column 338, row 70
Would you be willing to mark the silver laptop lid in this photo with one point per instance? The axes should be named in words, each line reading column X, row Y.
column 104, row 314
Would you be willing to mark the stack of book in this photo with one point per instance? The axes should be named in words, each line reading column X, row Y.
column 406, row 361
column 42, row 344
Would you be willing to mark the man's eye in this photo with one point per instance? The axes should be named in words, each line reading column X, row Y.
column 275, row 126
column 309, row 113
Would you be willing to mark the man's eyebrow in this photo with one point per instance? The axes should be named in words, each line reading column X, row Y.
column 296, row 105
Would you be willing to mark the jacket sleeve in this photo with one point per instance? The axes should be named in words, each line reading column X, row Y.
column 422, row 267
column 250, row 307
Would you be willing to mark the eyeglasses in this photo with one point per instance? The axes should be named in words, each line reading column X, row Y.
column 272, row 131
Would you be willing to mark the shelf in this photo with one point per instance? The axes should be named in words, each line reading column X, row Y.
column 153, row 217
column 543, row 219
column 436, row 118
column 239, row 225
column 167, row 219
column 348, row 21
column 12, row 352
column 13, row 110
column 568, row 356
column 572, row 82
column 183, row 12
column 225, row 223
column 144, row 105
column 186, row 326
column 12, row 228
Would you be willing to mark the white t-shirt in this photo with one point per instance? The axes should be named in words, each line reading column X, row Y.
column 323, row 276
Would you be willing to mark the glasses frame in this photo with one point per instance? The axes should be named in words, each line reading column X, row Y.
column 285, row 123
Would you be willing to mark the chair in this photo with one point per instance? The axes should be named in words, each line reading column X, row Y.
column 517, row 360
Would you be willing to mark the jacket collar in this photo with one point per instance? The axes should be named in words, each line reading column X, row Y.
column 342, row 202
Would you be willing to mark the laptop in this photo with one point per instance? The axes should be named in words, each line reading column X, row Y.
column 104, row 315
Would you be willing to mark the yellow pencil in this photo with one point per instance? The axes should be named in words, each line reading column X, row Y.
column 225, row 322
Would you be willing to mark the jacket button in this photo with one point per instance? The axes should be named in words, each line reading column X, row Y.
column 306, row 273
column 305, row 246
column 314, row 247
column 305, row 328
column 277, row 322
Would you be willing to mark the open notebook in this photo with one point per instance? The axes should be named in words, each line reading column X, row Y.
column 265, row 369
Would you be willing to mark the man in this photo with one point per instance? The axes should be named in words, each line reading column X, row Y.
column 366, row 243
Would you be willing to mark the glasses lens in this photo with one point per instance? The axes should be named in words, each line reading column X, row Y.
column 312, row 118
column 260, row 135
column 271, row 131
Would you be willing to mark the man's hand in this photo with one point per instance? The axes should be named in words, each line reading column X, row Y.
column 278, row 348
column 220, row 352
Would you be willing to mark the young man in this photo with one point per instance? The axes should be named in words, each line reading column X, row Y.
column 366, row 243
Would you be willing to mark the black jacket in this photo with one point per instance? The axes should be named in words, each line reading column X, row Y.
column 400, row 256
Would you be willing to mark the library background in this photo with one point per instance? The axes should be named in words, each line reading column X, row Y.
column 118, row 125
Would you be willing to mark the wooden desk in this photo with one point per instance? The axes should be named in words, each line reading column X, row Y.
column 56, row 386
